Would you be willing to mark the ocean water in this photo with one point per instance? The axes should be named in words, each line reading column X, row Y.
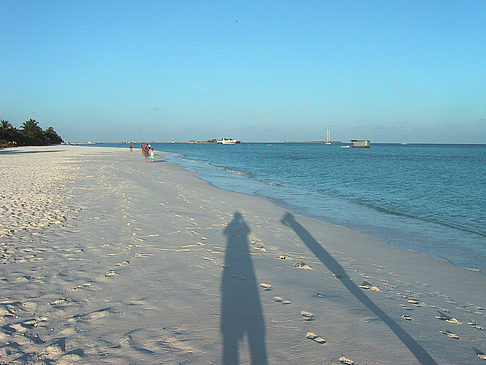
column 426, row 198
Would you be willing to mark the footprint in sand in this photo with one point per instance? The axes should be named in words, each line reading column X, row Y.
column 312, row 336
column 209, row 258
column 406, row 317
column 4, row 338
column 308, row 316
column 6, row 312
column 263, row 249
column 481, row 355
column 448, row 319
column 52, row 351
column 84, row 286
column 450, row 334
column 477, row 326
column 69, row 331
column 368, row 286
column 22, row 279
column 58, row 301
column 93, row 316
column 110, row 274
column 30, row 323
column 129, row 342
column 69, row 359
column 281, row 300
column 17, row 327
column 303, row 265
column 141, row 255
column 123, row 264
column 266, row 286
column 414, row 302
column 343, row 359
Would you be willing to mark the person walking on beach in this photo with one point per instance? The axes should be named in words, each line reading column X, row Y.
column 152, row 155
column 131, row 146
column 146, row 153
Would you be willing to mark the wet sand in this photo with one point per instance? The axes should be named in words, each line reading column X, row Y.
column 108, row 259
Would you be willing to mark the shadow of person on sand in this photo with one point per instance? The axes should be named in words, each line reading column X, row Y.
column 17, row 152
column 418, row 351
column 240, row 305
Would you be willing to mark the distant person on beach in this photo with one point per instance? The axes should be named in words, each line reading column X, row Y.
column 146, row 153
column 131, row 146
column 152, row 155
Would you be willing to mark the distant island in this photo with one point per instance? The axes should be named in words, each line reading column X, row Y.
column 29, row 134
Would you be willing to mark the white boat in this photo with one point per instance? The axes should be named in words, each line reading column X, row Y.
column 228, row 141
column 345, row 146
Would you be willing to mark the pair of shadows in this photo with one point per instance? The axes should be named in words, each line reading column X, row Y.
column 241, row 308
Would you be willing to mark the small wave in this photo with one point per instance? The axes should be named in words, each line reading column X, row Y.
column 237, row 172
column 428, row 220
column 269, row 183
column 246, row 174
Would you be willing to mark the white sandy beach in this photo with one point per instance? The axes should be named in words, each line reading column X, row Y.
column 108, row 259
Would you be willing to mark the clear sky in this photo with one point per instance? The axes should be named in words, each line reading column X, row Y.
column 389, row 71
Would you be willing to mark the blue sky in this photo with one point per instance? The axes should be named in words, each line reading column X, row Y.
column 389, row 71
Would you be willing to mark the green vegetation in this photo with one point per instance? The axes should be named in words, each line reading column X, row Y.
column 30, row 134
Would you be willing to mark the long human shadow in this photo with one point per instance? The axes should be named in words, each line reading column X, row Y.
column 240, row 305
column 418, row 351
column 17, row 152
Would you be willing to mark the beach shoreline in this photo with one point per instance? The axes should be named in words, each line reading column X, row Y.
column 116, row 260
column 410, row 207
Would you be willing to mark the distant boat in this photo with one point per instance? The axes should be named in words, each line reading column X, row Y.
column 361, row 143
column 328, row 137
column 345, row 146
column 228, row 141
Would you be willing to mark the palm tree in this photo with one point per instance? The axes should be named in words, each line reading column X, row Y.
column 31, row 127
column 5, row 126
column 7, row 131
column 32, row 132
column 51, row 136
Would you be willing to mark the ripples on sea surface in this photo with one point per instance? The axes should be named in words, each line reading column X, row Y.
column 427, row 198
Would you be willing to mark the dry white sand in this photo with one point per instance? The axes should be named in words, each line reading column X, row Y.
column 107, row 259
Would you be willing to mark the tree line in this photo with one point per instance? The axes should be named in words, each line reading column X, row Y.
column 29, row 134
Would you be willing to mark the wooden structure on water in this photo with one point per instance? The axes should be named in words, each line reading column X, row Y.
column 361, row 143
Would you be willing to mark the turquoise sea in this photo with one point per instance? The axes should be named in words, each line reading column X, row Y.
column 426, row 198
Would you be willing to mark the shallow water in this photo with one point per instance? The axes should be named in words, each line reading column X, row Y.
column 427, row 198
